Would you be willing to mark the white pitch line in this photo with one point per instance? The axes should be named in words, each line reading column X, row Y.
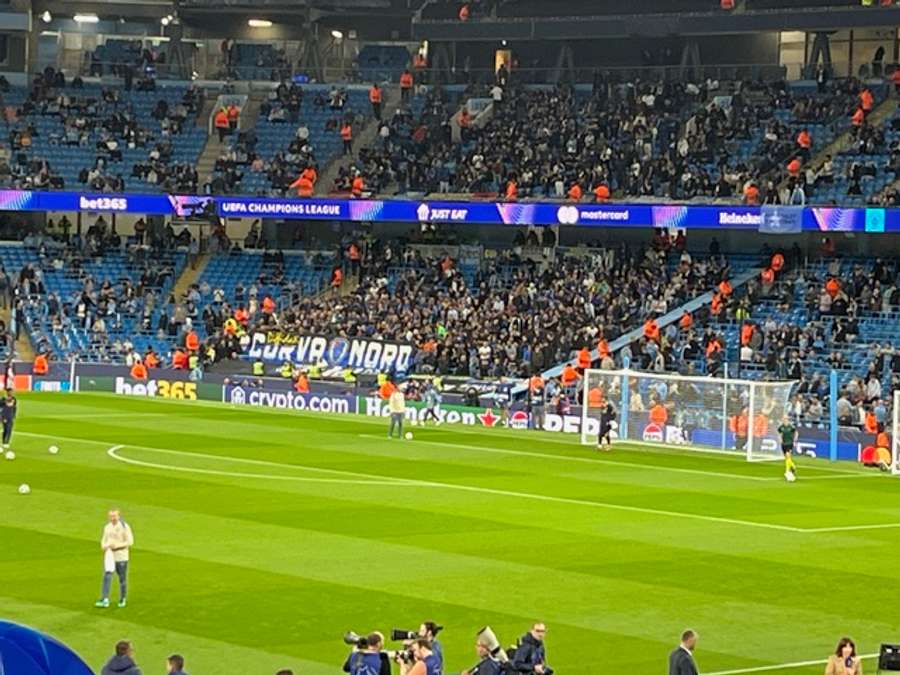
column 522, row 495
column 114, row 450
column 853, row 528
column 780, row 666
column 586, row 460
column 451, row 486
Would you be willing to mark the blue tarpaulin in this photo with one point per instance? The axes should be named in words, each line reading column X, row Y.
column 26, row 651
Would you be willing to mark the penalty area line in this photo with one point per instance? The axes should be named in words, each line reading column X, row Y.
column 586, row 460
column 780, row 666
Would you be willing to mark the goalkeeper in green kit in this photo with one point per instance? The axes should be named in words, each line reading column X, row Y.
column 788, row 433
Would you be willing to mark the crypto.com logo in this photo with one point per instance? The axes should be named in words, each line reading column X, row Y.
column 567, row 215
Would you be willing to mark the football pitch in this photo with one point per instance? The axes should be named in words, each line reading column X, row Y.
column 262, row 536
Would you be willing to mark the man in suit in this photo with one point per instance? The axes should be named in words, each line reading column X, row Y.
column 681, row 660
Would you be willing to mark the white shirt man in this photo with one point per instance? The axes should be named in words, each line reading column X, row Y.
column 116, row 541
column 397, row 408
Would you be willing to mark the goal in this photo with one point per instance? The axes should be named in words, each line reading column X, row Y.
column 895, row 435
column 738, row 417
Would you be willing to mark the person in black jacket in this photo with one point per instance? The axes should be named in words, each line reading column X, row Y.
column 123, row 661
column 531, row 655
column 681, row 660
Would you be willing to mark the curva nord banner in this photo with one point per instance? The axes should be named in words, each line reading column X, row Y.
column 355, row 353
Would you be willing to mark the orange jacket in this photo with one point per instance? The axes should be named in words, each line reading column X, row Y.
column 866, row 100
column 346, row 132
column 882, row 440
column 406, row 81
column 858, row 118
column 832, row 286
column 337, row 277
column 651, row 330
column 760, row 425
column 180, row 360
column 751, row 195
column 192, row 341
column 713, row 347
column 746, row 334
column 777, row 263
column 595, row 397
column 139, row 371
column 304, row 186
column 353, row 252
column 603, row 348
column 584, row 358
column 871, row 425
column 535, row 382
column 512, row 191
column 357, row 187
column 375, row 95
column 575, row 192
column 150, row 360
column 804, row 140
column 716, row 307
column 569, row 374
column 686, row 321
column 268, row 305
column 601, row 193
column 768, row 276
column 725, row 288
column 659, row 414
column 41, row 365
column 740, row 424
column 386, row 389
column 242, row 316
column 233, row 113
column 221, row 120
column 793, row 167
column 301, row 386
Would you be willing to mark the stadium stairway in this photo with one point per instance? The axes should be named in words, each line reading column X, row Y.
column 189, row 277
column 390, row 98
column 882, row 112
column 671, row 317
column 23, row 348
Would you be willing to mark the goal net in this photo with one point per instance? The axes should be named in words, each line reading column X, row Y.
column 694, row 413
column 895, row 435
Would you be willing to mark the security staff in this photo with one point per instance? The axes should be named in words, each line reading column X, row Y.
column 370, row 659
column 8, row 415
column 536, row 403
column 259, row 368
column 287, row 370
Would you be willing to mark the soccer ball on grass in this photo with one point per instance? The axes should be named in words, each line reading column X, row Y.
column 24, row 489
column 789, row 476
column 53, row 450
column 10, row 455
column 409, row 436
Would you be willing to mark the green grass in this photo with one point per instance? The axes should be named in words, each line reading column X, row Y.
column 250, row 566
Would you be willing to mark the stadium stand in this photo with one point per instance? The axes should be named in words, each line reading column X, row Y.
column 108, row 139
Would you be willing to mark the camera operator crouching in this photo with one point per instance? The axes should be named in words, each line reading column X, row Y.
column 426, row 662
column 531, row 655
column 368, row 656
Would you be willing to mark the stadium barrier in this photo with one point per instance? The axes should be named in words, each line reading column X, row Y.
column 342, row 399
column 768, row 219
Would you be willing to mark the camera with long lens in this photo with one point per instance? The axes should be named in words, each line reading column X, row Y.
column 405, row 656
column 356, row 640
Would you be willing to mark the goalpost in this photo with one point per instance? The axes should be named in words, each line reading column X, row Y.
column 731, row 416
column 895, row 435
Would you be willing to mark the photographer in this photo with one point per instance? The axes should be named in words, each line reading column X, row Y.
column 531, row 656
column 368, row 657
column 488, row 665
column 429, row 631
column 426, row 662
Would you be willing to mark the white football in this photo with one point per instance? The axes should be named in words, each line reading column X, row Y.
column 811, row 453
column 24, row 489
column 789, row 477
column 53, row 450
column 409, row 435
column 10, row 455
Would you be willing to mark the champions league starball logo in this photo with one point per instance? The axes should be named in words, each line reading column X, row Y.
column 567, row 215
